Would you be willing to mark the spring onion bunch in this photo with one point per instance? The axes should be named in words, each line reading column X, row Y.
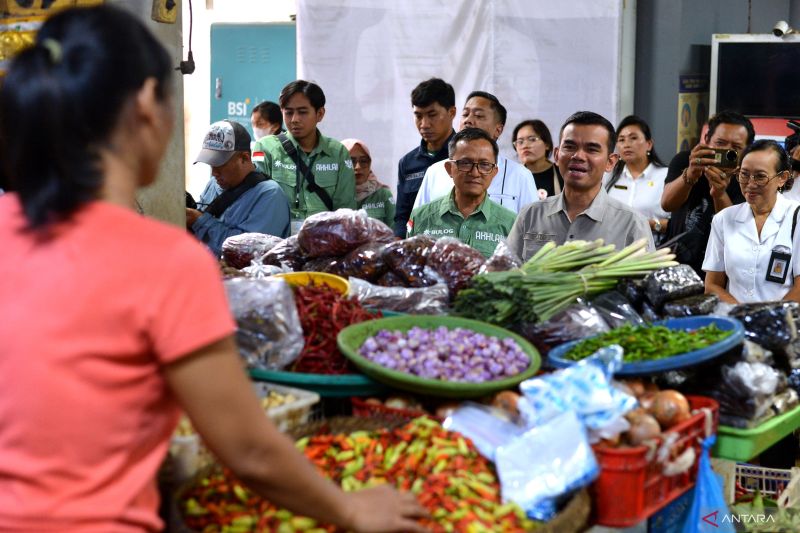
column 553, row 278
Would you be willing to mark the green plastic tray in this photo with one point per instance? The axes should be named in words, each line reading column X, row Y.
column 743, row 444
column 327, row 386
column 352, row 337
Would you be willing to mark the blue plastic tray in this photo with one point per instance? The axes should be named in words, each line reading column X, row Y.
column 555, row 357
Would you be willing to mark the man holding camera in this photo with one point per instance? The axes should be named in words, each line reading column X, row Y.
column 698, row 185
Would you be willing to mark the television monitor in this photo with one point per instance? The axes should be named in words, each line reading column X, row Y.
column 756, row 74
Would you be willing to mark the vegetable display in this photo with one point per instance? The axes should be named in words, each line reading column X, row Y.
column 442, row 468
column 324, row 312
column 457, row 354
column 648, row 343
column 553, row 278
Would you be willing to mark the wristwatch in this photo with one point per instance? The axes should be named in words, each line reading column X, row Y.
column 657, row 225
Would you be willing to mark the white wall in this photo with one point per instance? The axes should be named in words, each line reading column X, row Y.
column 197, row 86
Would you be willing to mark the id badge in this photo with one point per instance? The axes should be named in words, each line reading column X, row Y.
column 778, row 268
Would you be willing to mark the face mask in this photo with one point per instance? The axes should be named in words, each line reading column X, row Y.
column 259, row 133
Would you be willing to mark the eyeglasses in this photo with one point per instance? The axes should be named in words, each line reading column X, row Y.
column 363, row 161
column 466, row 166
column 522, row 140
column 759, row 179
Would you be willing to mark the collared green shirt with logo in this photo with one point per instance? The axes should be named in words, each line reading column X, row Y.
column 380, row 205
column 483, row 229
column 330, row 163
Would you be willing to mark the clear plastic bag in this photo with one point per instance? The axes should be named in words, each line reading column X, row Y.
column 424, row 301
column 269, row 334
column 456, row 262
column 407, row 259
column 502, row 259
column 773, row 325
column 240, row 250
column 616, row 310
column 545, row 463
column 575, row 322
column 672, row 283
column 286, row 254
column 335, row 233
column 365, row 262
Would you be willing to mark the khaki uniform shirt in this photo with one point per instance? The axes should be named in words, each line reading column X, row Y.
column 483, row 229
column 606, row 218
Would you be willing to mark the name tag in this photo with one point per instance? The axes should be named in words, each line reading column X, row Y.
column 778, row 268
column 540, row 237
column 621, row 187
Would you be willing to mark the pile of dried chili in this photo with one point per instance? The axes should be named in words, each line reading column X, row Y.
column 324, row 312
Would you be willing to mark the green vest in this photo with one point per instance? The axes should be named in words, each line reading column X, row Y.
column 483, row 229
column 330, row 163
column 380, row 205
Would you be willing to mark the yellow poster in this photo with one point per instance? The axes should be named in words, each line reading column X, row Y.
column 692, row 109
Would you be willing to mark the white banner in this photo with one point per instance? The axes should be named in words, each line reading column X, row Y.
column 542, row 59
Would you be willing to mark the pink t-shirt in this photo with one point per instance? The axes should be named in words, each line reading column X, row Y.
column 87, row 321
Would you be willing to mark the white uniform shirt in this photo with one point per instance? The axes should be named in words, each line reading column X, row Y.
column 643, row 194
column 513, row 187
column 735, row 248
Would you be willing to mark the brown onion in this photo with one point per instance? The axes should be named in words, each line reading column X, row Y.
column 643, row 428
column 670, row 407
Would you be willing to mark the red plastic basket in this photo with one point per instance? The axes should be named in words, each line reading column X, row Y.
column 365, row 409
column 631, row 488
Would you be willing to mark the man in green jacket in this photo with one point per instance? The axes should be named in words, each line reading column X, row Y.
column 327, row 182
column 467, row 213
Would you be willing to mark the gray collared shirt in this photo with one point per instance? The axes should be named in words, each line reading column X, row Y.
column 606, row 218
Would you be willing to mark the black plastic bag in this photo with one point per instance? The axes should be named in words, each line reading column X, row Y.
column 672, row 283
column 703, row 304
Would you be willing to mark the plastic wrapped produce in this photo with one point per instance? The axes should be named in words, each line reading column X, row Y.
column 456, row 262
column 576, row 322
column 239, row 251
column 633, row 291
column 502, row 259
column 773, row 325
column 703, row 304
column 269, row 335
column 672, row 283
column 335, row 233
column 365, row 262
column 616, row 309
column 330, row 265
column 286, row 254
column 649, row 313
column 392, row 279
column 408, row 257
column 424, row 301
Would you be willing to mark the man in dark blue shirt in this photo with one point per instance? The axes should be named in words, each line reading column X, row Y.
column 434, row 103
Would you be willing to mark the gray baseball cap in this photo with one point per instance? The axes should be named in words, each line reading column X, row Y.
column 224, row 138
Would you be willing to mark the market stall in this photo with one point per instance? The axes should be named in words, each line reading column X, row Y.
column 506, row 396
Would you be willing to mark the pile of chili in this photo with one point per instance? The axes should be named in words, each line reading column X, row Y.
column 324, row 312
column 450, row 478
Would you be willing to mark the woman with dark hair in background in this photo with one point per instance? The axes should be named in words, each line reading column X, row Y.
column 111, row 321
column 752, row 253
column 638, row 177
column 266, row 119
column 533, row 143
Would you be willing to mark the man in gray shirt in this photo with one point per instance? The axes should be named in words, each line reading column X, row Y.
column 583, row 211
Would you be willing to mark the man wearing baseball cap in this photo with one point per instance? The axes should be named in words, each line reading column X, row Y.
column 238, row 199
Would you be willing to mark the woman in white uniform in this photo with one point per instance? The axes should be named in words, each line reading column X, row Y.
column 637, row 179
column 751, row 253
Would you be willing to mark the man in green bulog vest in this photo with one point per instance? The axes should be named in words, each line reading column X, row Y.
column 314, row 171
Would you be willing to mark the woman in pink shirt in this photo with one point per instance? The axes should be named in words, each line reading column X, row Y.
column 110, row 321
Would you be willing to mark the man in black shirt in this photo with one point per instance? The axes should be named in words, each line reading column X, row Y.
column 696, row 189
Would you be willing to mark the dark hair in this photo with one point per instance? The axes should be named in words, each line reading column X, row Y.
column 496, row 106
column 541, row 130
column 311, row 90
column 730, row 117
column 433, row 91
column 271, row 112
column 65, row 95
column 590, row 118
column 652, row 156
column 468, row 135
column 763, row 145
